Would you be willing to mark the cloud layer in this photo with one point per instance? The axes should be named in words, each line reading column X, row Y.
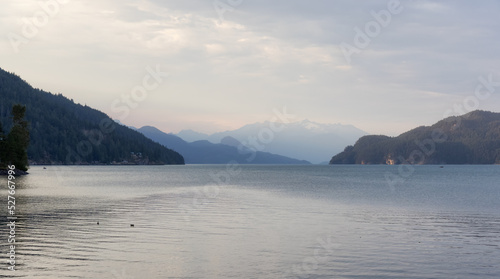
column 230, row 62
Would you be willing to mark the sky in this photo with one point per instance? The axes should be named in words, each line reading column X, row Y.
column 383, row 66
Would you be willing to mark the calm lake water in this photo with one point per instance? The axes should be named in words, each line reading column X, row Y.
column 200, row 221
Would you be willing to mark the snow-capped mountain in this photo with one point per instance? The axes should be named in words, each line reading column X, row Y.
column 304, row 139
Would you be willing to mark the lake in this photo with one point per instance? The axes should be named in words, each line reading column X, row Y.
column 254, row 221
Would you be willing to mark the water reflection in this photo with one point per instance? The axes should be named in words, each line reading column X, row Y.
column 249, row 230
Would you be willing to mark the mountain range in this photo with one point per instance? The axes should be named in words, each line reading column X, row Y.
column 304, row 139
column 205, row 152
column 473, row 138
column 63, row 132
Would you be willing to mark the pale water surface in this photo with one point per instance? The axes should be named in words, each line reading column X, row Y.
column 255, row 222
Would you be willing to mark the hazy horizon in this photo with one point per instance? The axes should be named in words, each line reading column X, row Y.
column 384, row 67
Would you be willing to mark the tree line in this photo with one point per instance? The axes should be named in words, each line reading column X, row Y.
column 473, row 138
column 14, row 145
column 63, row 132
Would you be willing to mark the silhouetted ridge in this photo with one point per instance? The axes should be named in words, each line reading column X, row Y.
column 62, row 132
column 205, row 152
column 473, row 138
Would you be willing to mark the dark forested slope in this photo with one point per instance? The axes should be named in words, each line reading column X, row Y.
column 473, row 138
column 62, row 132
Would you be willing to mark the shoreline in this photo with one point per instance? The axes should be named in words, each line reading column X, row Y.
column 17, row 172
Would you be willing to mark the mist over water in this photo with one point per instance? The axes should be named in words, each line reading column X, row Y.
column 200, row 221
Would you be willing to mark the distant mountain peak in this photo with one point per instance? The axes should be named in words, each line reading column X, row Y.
column 205, row 152
column 230, row 141
column 304, row 139
column 147, row 127
column 306, row 123
column 191, row 136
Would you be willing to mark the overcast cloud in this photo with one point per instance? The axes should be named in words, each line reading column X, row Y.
column 228, row 71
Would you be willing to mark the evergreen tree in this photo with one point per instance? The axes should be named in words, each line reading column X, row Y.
column 2, row 147
column 18, row 139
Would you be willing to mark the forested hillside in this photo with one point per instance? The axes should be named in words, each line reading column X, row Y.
column 63, row 132
column 473, row 138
